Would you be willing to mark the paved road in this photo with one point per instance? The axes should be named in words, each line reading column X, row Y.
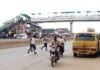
column 18, row 59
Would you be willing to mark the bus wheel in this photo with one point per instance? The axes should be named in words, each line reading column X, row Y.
column 75, row 55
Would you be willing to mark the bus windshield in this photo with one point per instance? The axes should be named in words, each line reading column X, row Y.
column 85, row 37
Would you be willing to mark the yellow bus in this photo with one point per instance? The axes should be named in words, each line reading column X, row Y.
column 86, row 44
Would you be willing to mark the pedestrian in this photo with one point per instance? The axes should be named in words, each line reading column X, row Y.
column 32, row 45
column 45, row 39
column 55, row 37
column 61, row 44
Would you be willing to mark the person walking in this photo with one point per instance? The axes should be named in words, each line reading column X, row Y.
column 61, row 44
column 45, row 39
column 55, row 37
column 32, row 45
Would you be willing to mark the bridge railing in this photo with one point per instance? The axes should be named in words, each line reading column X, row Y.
column 70, row 18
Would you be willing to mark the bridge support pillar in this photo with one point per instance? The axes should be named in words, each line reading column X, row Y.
column 36, row 28
column 71, row 28
column 23, row 25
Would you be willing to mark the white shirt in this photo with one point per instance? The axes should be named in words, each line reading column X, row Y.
column 61, row 40
column 32, row 41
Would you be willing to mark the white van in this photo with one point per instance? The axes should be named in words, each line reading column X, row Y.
column 22, row 36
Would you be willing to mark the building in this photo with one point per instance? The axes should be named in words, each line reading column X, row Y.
column 48, row 30
column 62, row 31
column 56, row 31
column 90, row 30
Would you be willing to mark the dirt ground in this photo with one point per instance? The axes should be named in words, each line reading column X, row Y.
column 15, row 43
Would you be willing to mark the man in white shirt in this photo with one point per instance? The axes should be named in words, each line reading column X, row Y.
column 32, row 45
column 61, row 44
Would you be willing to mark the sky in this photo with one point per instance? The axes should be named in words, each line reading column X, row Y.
column 11, row 8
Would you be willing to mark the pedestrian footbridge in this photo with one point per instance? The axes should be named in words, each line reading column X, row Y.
column 65, row 19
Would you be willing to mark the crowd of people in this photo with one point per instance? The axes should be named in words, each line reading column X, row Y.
column 57, row 42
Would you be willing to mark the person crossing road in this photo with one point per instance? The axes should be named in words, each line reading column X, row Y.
column 32, row 45
column 45, row 39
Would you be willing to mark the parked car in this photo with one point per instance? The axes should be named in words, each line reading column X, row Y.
column 3, row 36
column 22, row 36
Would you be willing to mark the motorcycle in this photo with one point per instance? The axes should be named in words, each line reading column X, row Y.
column 53, row 56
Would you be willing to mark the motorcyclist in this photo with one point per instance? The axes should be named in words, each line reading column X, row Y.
column 56, row 45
